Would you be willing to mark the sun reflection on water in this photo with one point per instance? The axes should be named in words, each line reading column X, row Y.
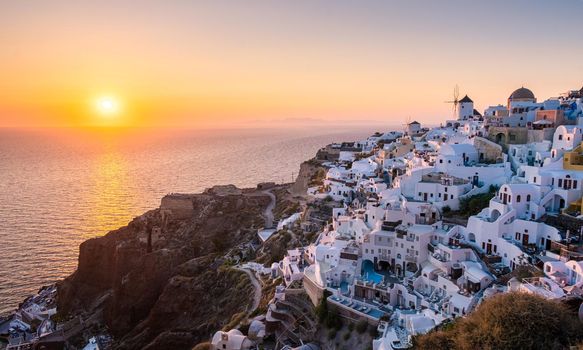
column 110, row 193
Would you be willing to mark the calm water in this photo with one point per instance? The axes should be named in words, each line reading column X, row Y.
column 60, row 187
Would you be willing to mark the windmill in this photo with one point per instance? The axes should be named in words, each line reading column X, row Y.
column 456, row 101
column 407, row 121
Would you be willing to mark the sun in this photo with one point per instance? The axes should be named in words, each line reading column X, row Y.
column 107, row 106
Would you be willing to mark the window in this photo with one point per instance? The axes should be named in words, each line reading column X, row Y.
column 560, row 137
column 560, row 182
column 441, row 161
column 528, row 197
column 518, row 199
column 574, row 184
column 534, row 179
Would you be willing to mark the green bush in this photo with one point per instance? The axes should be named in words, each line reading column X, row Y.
column 372, row 331
column 322, row 308
column 333, row 320
column 361, row 326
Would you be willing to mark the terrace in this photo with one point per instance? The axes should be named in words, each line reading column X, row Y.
column 360, row 307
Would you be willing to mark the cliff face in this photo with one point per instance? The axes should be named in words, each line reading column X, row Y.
column 158, row 282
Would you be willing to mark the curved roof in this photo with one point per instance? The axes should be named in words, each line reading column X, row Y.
column 522, row 93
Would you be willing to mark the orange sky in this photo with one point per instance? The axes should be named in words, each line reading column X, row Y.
column 225, row 63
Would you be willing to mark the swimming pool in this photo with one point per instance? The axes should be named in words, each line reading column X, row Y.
column 344, row 287
column 369, row 274
column 376, row 313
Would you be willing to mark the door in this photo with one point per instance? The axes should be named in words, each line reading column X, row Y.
column 489, row 248
column 524, row 239
column 425, row 197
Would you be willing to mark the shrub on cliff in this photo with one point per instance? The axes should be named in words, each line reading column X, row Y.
column 203, row 346
column 509, row 321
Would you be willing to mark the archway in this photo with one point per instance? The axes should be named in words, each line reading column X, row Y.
column 384, row 265
column 495, row 214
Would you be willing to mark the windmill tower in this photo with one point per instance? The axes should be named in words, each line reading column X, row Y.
column 412, row 127
column 456, row 101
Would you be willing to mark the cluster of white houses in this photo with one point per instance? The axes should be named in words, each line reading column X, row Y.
column 390, row 256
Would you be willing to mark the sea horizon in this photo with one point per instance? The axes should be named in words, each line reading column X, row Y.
column 83, row 188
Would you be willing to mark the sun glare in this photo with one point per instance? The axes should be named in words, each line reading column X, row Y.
column 107, row 106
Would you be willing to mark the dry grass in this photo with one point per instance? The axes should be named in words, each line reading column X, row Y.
column 509, row 321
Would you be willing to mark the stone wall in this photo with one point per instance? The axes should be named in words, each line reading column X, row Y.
column 489, row 151
column 315, row 293
column 540, row 135
column 504, row 136
column 181, row 206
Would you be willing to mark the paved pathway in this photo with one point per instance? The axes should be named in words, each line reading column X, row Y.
column 268, row 213
column 256, row 286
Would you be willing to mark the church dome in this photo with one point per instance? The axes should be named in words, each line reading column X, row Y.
column 521, row 94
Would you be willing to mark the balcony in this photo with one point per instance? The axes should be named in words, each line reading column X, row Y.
column 384, row 257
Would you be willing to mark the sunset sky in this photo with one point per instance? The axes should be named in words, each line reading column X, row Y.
column 239, row 63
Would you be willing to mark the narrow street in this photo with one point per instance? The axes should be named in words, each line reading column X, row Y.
column 256, row 286
column 268, row 213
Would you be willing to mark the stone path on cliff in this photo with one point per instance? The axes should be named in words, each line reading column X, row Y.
column 268, row 213
column 256, row 286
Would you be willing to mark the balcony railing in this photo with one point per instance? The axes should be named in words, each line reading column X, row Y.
column 410, row 258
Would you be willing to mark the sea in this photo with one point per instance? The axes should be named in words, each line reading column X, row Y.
column 62, row 186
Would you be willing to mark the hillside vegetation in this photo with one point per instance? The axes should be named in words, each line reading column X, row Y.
column 509, row 321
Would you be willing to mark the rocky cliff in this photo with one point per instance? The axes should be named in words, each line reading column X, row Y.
column 159, row 282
